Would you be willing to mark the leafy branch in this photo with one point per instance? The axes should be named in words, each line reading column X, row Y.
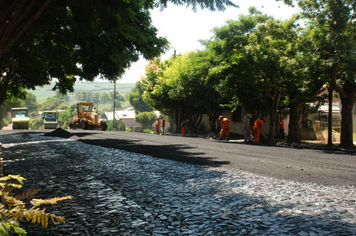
column 13, row 207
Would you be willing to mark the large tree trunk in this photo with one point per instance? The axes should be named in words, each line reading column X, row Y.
column 273, row 116
column 293, row 127
column 347, row 95
column 347, row 103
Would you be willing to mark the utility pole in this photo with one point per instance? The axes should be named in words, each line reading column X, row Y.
column 114, row 120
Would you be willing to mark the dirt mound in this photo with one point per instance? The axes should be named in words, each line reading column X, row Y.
column 59, row 133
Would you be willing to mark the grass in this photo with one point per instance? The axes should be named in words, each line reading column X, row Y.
column 42, row 93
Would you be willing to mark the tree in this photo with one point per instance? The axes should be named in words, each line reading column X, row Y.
column 246, row 63
column 55, row 102
column 136, row 100
column 105, row 98
column 66, row 115
column 146, row 119
column 181, row 89
column 334, row 39
column 41, row 40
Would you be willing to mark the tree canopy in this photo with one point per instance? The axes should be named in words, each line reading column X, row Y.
column 258, row 63
column 332, row 28
column 74, row 40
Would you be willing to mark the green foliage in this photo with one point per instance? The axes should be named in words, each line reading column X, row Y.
column 36, row 123
column 64, row 36
column 182, row 84
column 146, row 119
column 136, row 100
column 122, row 126
column 331, row 26
column 111, row 126
column 211, row 5
column 13, row 207
column 66, row 115
column 55, row 102
column 147, row 131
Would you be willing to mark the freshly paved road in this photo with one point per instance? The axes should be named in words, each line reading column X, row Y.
column 321, row 166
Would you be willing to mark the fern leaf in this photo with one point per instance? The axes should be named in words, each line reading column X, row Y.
column 27, row 195
column 19, row 178
column 18, row 186
column 3, row 210
column 13, row 202
column 3, row 228
column 52, row 201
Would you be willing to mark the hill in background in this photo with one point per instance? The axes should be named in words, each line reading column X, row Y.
column 42, row 93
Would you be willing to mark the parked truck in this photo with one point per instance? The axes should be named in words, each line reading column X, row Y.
column 50, row 119
column 87, row 117
column 20, row 118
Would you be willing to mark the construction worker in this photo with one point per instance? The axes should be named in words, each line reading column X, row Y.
column 257, row 128
column 157, row 126
column 225, row 128
column 163, row 124
column 281, row 128
column 182, row 126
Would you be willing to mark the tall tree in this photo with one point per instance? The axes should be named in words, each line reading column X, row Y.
column 183, row 88
column 45, row 39
column 335, row 41
column 234, row 70
column 136, row 100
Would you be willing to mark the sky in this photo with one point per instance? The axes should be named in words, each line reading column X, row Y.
column 184, row 28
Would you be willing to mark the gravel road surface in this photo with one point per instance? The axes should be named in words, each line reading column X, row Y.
column 137, row 184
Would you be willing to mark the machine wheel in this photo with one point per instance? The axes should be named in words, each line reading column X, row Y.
column 103, row 125
column 84, row 124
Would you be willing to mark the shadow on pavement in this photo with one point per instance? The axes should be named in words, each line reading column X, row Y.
column 179, row 153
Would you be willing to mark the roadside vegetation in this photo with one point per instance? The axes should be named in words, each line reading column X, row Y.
column 65, row 104
column 264, row 66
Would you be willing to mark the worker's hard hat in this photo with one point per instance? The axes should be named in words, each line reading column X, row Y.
column 220, row 117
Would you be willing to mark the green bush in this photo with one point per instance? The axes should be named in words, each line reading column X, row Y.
column 146, row 119
column 147, row 131
column 122, row 126
column 36, row 124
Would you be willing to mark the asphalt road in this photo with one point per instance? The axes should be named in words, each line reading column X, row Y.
column 321, row 166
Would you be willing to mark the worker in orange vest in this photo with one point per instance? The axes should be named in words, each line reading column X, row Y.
column 257, row 128
column 157, row 126
column 225, row 128
column 163, row 124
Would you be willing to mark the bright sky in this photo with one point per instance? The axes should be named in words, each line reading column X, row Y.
column 184, row 28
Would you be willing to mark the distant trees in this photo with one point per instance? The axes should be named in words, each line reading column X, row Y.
column 65, row 104
column 136, row 100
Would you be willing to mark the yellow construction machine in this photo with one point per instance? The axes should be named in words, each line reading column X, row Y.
column 20, row 118
column 87, row 117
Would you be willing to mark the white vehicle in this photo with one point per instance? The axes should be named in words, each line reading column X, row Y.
column 50, row 119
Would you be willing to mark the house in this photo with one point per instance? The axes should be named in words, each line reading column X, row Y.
column 127, row 115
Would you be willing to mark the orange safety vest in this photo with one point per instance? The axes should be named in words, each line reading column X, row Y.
column 225, row 123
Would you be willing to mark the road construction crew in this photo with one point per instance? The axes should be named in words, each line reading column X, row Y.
column 157, row 126
column 225, row 128
column 257, row 128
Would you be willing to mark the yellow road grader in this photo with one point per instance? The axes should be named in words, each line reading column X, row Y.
column 87, row 117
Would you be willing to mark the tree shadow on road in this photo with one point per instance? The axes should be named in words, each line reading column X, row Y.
column 179, row 153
